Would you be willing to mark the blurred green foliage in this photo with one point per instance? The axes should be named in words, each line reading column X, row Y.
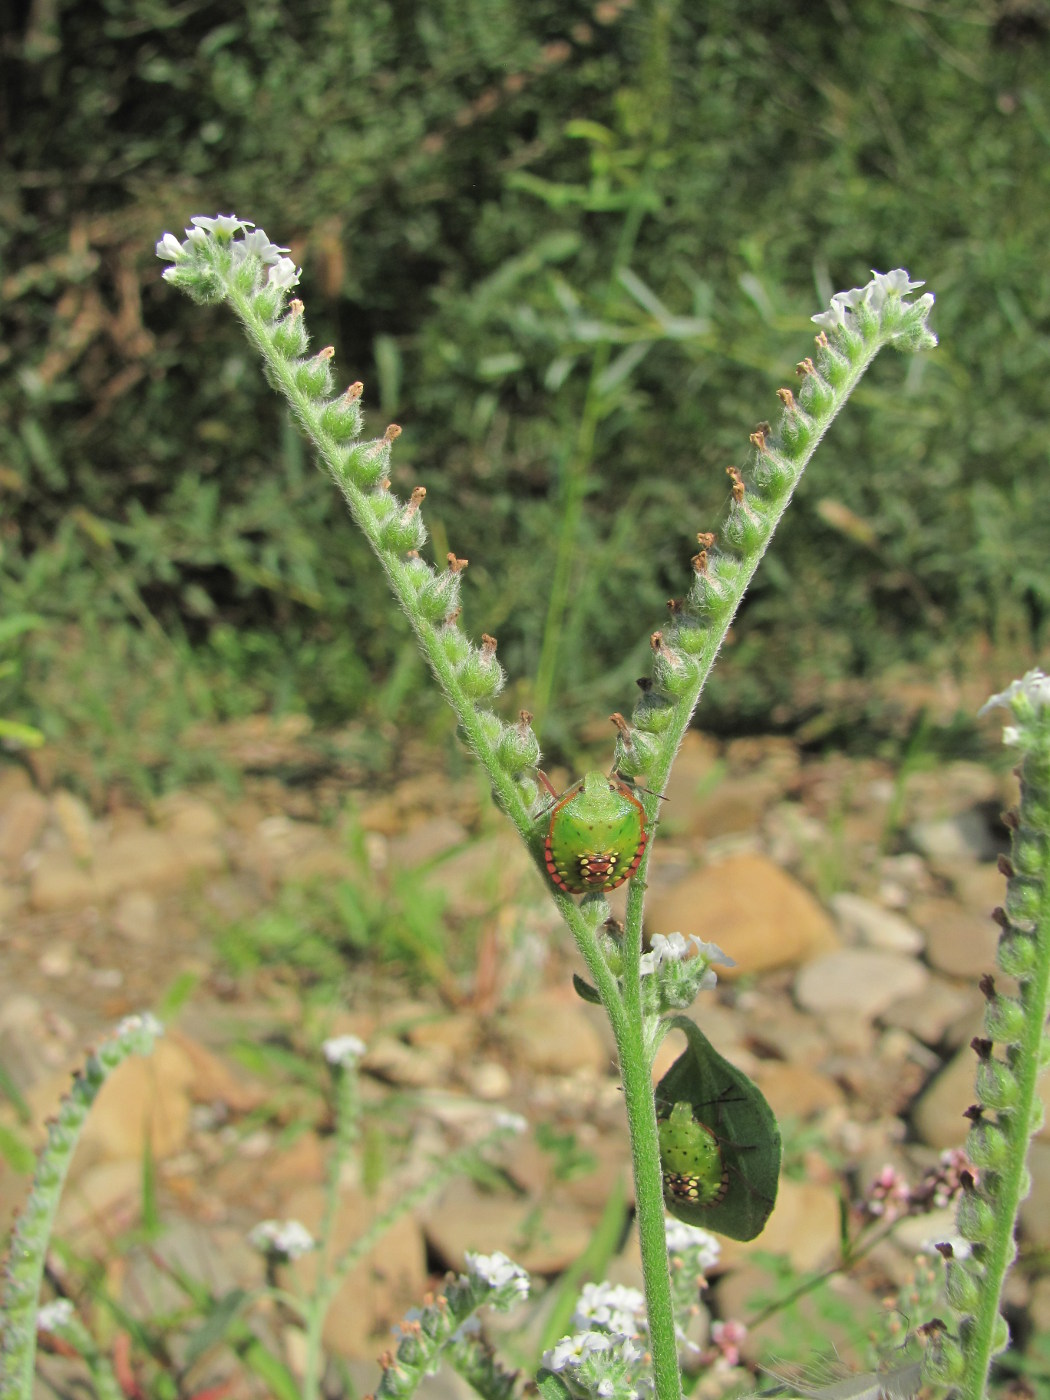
column 574, row 247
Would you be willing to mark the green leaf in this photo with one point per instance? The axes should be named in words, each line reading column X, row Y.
column 585, row 990
column 728, row 1103
column 216, row 1325
column 552, row 1387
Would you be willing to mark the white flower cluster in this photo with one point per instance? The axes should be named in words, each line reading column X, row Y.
column 874, row 295
column 54, row 1316
column 510, row 1122
column 224, row 228
column 343, row 1051
column 286, row 1238
column 596, row 1364
column 684, row 1239
column 613, row 1307
column 674, row 947
column 1025, row 698
column 144, row 1023
column 509, row 1281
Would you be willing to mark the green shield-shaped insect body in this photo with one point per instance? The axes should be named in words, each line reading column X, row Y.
column 595, row 836
column 693, row 1171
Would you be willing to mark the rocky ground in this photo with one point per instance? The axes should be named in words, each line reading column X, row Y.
column 855, row 902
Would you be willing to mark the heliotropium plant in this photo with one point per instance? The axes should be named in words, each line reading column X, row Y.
column 705, row 1146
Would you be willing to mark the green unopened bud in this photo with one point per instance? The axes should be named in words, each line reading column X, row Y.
column 672, row 672
column 835, row 368
column 491, row 726
column 962, row 1288
column 975, row 1219
column 404, row 530
column 289, row 335
column 1004, row 1020
column 1018, row 954
column 454, row 643
column 369, row 462
column 518, row 746
column 815, row 394
column 997, row 1085
column 341, row 417
column 689, row 636
column 1023, row 901
column 987, row 1146
column 438, row 596
column 943, row 1361
column 313, row 377
column 1028, row 853
column 245, row 275
column 267, row 302
column 744, row 531
column 653, row 714
column 479, row 674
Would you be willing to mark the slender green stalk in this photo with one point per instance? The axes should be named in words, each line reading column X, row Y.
column 253, row 276
column 1008, row 1111
column 29, row 1241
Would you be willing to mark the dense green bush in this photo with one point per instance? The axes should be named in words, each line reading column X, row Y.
column 512, row 219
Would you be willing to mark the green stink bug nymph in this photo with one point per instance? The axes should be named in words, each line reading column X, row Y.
column 691, row 1158
column 596, row 835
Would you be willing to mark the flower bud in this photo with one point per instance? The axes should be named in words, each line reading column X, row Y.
column 480, row 675
column 987, row 1146
column 289, row 335
column 943, row 1362
column 518, row 746
column 975, row 1219
column 313, row 377
column 1017, row 955
column 1004, row 1020
column 997, row 1085
column 341, row 417
column 961, row 1287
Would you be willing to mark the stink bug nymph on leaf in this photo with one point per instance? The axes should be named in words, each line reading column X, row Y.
column 691, row 1158
column 596, row 834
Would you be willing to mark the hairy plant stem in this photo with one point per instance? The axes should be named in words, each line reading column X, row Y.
column 1027, row 1061
column 507, row 793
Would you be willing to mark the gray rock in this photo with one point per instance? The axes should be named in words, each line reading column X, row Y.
column 860, row 980
column 862, row 922
column 965, row 835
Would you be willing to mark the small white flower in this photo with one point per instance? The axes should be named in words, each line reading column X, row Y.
column 169, row 248
column 510, row 1122
column 285, row 1237
column 498, row 1272
column 613, row 1306
column 875, row 294
column 283, row 274
column 1034, row 687
column 221, row 223
column 604, row 1389
column 674, row 947
column 682, row 1237
column 139, row 1022
column 53, row 1316
column 570, row 1351
column 343, row 1050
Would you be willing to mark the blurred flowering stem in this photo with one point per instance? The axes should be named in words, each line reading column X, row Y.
column 1008, row 1111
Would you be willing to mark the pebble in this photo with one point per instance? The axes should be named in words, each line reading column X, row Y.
column 871, row 926
column 862, row 981
column 22, row 820
column 964, row 836
column 761, row 916
column 548, row 1034
column 74, row 821
column 959, row 942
